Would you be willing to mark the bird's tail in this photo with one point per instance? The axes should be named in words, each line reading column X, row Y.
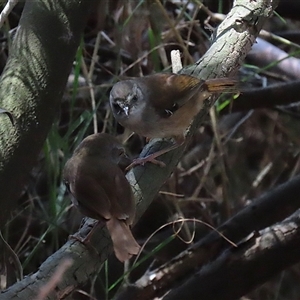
column 123, row 241
column 222, row 85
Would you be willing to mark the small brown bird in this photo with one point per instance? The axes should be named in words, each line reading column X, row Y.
column 163, row 105
column 101, row 191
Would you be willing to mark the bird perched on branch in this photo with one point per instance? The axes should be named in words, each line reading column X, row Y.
column 101, row 191
column 163, row 105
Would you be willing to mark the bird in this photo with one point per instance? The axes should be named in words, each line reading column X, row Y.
column 95, row 179
column 163, row 105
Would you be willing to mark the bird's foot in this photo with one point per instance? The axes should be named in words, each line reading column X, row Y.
column 142, row 160
column 152, row 157
column 87, row 239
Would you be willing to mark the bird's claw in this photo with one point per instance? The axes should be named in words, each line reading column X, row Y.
column 142, row 160
column 85, row 241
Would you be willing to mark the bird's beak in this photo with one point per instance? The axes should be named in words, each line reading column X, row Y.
column 126, row 110
column 124, row 107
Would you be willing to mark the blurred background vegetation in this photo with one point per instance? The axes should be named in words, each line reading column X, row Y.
column 259, row 148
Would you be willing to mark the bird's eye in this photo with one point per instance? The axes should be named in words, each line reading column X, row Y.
column 117, row 108
column 135, row 98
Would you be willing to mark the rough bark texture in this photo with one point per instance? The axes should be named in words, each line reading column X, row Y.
column 32, row 85
column 85, row 262
column 272, row 207
column 231, row 43
column 239, row 271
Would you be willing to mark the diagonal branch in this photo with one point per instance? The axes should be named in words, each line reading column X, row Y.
column 238, row 271
column 32, row 85
column 231, row 43
column 271, row 207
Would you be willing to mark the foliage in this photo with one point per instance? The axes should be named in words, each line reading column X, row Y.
column 230, row 160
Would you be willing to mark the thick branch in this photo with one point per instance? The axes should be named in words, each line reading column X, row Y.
column 32, row 85
column 267, row 97
column 272, row 207
column 232, row 41
column 238, row 271
column 222, row 59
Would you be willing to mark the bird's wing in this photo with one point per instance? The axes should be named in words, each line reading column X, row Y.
column 100, row 188
column 175, row 92
column 83, row 181
column 120, row 194
column 91, row 198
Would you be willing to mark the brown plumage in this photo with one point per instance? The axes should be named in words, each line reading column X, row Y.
column 163, row 105
column 101, row 191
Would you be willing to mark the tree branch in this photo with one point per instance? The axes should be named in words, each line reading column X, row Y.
column 237, row 271
column 231, row 43
column 271, row 207
column 31, row 86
